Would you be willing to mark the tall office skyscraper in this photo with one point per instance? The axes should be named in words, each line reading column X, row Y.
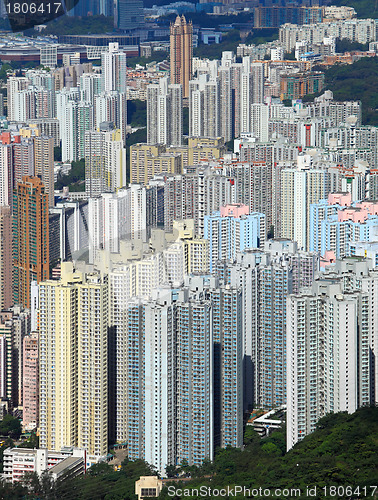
column 181, row 52
column 30, row 237
column 164, row 113
column 73, row 362
column 128, row 14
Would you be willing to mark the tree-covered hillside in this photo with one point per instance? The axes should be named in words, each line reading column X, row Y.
column 357, row 81
column 364, row 8
column 341, row 452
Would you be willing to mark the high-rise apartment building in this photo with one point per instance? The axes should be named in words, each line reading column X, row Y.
column 90, row 85
column 336, row 223
column 30, row 381
column 3, row 366
column 69, row 131
column 105, row 160
column 108, row 218
column 300, row 188
column 331, row 344
column 232, row 230
column 14, row 325
column 73, row 362
column 355, row 30
column 164, row 113
column 195, row 196
column 111, row 106
column 6, row 170
column 221, row 100
column 44, row 164
column 15, row 85
column 266, row 277
column 113, row 69
column 30, row 237
column 149, row 160
column 6, row 298
column 181, row 53
column 184, row 380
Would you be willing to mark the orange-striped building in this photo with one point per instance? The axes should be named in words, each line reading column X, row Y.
column 30, row 237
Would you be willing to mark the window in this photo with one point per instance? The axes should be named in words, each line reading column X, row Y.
column 148, row 492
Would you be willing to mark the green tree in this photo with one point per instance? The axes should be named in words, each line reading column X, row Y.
column 137, row 113
column 270, row 449
column 32, row 442
column 75, row 179
column 10, row 426
column 345, row 45
column 171, row 471
column 58, row 153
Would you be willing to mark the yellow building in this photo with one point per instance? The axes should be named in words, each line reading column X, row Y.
column 73, row 362
column 196, row 250
column 149, row 160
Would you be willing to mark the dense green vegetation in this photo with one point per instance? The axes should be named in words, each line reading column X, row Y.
column 58, row 153
column 101, row 482
column 75, row 179
column 342, row 451
column 137, row 113
column 66, row 25
column 355, row 81
column 10, row 426
column 263, row 35
column 232, row 39
column 137, row 117
column 345, row 45
column 365, row 8
column 3, row 71
column 157, row 56
column 31, row 442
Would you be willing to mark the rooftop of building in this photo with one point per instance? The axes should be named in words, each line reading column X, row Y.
column 20, row 451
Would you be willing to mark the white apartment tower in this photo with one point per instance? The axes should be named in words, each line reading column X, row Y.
column 105, row 160
column 300, row 187
column 113, row 69
column 14, row 86
column 164, row 113
column 331, row 342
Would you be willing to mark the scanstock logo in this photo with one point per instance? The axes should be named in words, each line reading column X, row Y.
column 25, row 14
